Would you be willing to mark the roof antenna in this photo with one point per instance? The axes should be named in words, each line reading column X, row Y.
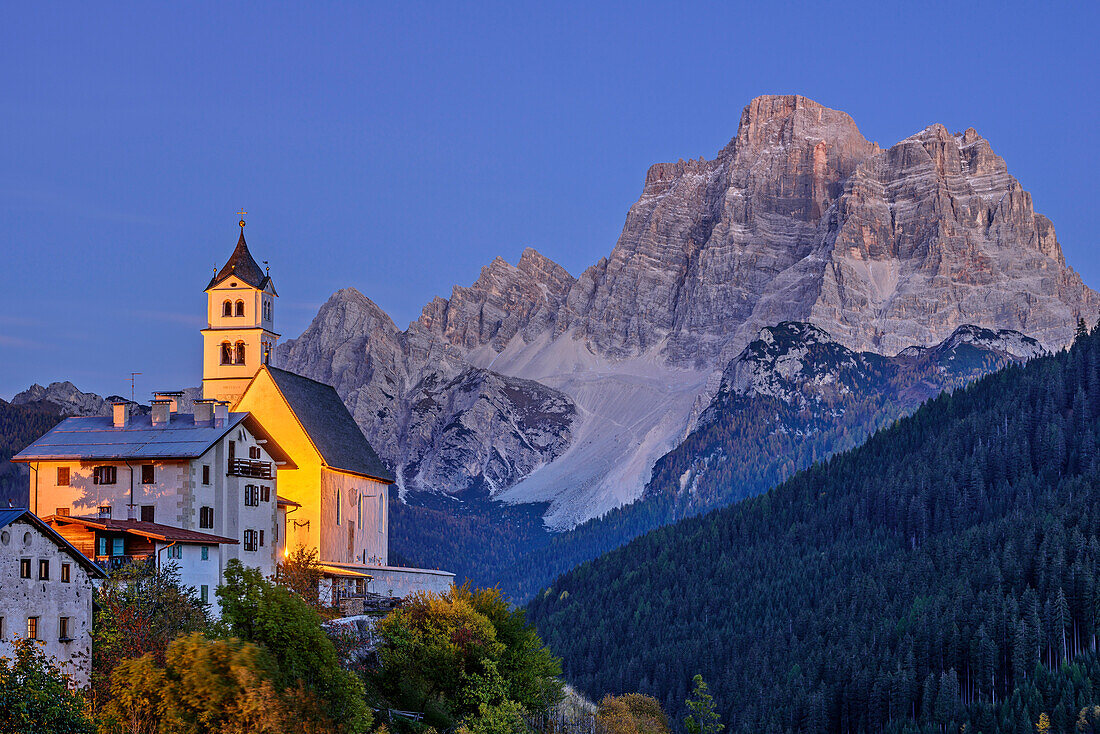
column 133, row 375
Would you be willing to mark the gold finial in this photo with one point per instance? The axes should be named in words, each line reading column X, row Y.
column 241, row 214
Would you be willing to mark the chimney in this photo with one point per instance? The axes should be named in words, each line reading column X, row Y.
column 204, row 412
column 173, row 397
column 221, row 414
column 121, row 412
column 162, row 412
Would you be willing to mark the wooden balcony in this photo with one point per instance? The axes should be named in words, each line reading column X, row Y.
column 250, row 468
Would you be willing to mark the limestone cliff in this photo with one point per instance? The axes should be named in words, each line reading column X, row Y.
column 581, row 384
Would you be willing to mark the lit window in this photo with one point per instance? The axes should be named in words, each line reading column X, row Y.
column 43, row 570
column 24, row 568
column 32, row 628
column 240, row 308
column 66, row 573
column 227, row 308
column 63, row 476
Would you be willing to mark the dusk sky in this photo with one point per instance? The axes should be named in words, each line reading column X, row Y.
column 397, row 148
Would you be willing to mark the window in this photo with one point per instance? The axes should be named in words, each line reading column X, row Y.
column 118, row 547
column 359, row 510
column 43, row 570
column 175, row 551
column 1, row 628
column 204, row 593
column 251, row 495
column 232, row 450
column 265, row 494
column 66, row 572
column 63, row 476
column 63, row 629
column 104, row 475
column 261, row 538
column 62, row 511
column 227, row 353
column 148, row 474
column 206, row 474
column 24, row 568
column 253, row 452
column 206, row 517
column 337, row 507
column 227, row 308
column 250, row 540
column 101, row 546
column 205, row 553
column 240, row 353
column 382, row 512
column 240, row 308
column 148, row 513
column 32, row 628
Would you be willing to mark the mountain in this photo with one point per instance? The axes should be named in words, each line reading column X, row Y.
column 944, row 576
column 793, row 395
column 534, row 387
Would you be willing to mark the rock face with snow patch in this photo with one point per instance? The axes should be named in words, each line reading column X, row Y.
column 798, row 219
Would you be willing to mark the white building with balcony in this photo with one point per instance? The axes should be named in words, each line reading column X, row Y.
column 195, row 489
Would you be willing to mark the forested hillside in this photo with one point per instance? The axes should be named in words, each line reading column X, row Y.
column 19, row 425
column 945, row 573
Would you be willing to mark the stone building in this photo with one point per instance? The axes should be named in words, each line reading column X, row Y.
column 46, row 587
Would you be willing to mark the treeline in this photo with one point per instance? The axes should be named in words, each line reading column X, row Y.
column 944, row 574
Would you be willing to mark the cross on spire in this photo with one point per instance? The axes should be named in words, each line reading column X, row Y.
column 241, row 214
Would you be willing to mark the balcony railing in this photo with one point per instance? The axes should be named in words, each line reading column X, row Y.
column 113, row 563
column 250, row 468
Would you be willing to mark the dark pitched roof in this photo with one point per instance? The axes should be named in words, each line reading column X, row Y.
column 243, row 265
column 151, row 530
column 8, row 516
column 330, row 426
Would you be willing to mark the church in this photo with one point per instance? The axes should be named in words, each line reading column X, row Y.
column 269, row 461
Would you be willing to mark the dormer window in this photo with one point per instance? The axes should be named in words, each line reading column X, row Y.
column 227, row 308
column 240, row 308
column 240, row 353
column 227, row 353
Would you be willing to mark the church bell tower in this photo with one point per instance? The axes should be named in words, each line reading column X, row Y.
column 240, row 332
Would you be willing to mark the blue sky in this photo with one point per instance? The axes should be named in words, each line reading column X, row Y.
column 399, row 147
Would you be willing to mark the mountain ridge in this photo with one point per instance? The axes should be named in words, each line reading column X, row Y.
column 797, row 218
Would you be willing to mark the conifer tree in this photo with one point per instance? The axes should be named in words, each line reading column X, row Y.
column 702, row 719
